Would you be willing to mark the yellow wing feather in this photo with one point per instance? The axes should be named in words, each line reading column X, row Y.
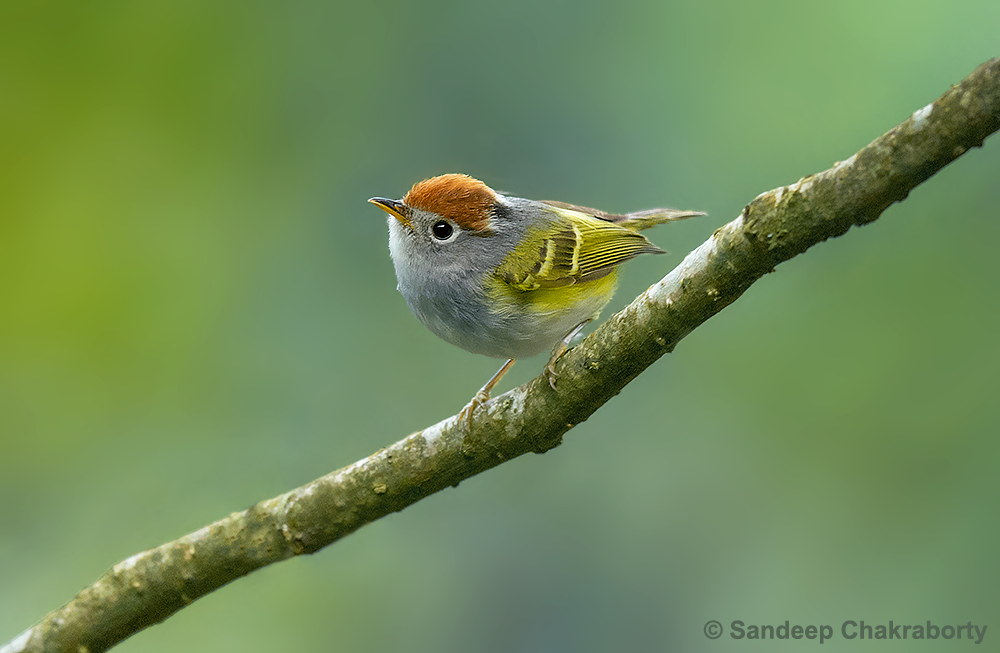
column 582, row 248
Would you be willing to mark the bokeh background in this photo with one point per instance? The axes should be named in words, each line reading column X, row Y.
column 198, row 311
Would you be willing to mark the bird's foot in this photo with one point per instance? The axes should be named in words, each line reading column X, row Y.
column 557, row 352
column 482, row 396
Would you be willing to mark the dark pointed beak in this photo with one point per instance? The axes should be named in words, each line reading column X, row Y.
column 394, row 208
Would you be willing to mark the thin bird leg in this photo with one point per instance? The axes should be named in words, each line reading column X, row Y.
column 561, row 347
column 483, row 395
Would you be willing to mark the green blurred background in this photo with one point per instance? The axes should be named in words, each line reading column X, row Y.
column 198, row 311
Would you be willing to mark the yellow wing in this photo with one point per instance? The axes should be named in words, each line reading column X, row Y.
column 582, row 248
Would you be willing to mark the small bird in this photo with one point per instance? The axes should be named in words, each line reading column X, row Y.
column 505, row 276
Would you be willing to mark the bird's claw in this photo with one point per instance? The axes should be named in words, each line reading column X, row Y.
column 478, row 400
column 557, row 352
column 483, row 395
column 550, row 367
column 551, row 374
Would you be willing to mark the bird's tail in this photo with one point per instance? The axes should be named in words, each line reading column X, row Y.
column 651, row 217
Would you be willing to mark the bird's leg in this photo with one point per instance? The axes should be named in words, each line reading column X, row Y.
column 483, row 395
column 561, row 347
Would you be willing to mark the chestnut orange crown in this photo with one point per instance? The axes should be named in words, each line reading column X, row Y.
column 465, row 201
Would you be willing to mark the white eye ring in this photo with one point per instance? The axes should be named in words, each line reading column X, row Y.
column 444, row 231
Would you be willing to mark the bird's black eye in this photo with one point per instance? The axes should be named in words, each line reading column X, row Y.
column 442, row 230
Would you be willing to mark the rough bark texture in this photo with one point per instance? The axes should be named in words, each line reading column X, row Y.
column 774, row 227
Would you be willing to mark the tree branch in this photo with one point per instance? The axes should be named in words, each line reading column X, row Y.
column 150, row 586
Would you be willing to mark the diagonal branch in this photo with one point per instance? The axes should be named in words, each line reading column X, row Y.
column 774, row 227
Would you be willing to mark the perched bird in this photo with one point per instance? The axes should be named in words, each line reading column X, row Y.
column 505, row 276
